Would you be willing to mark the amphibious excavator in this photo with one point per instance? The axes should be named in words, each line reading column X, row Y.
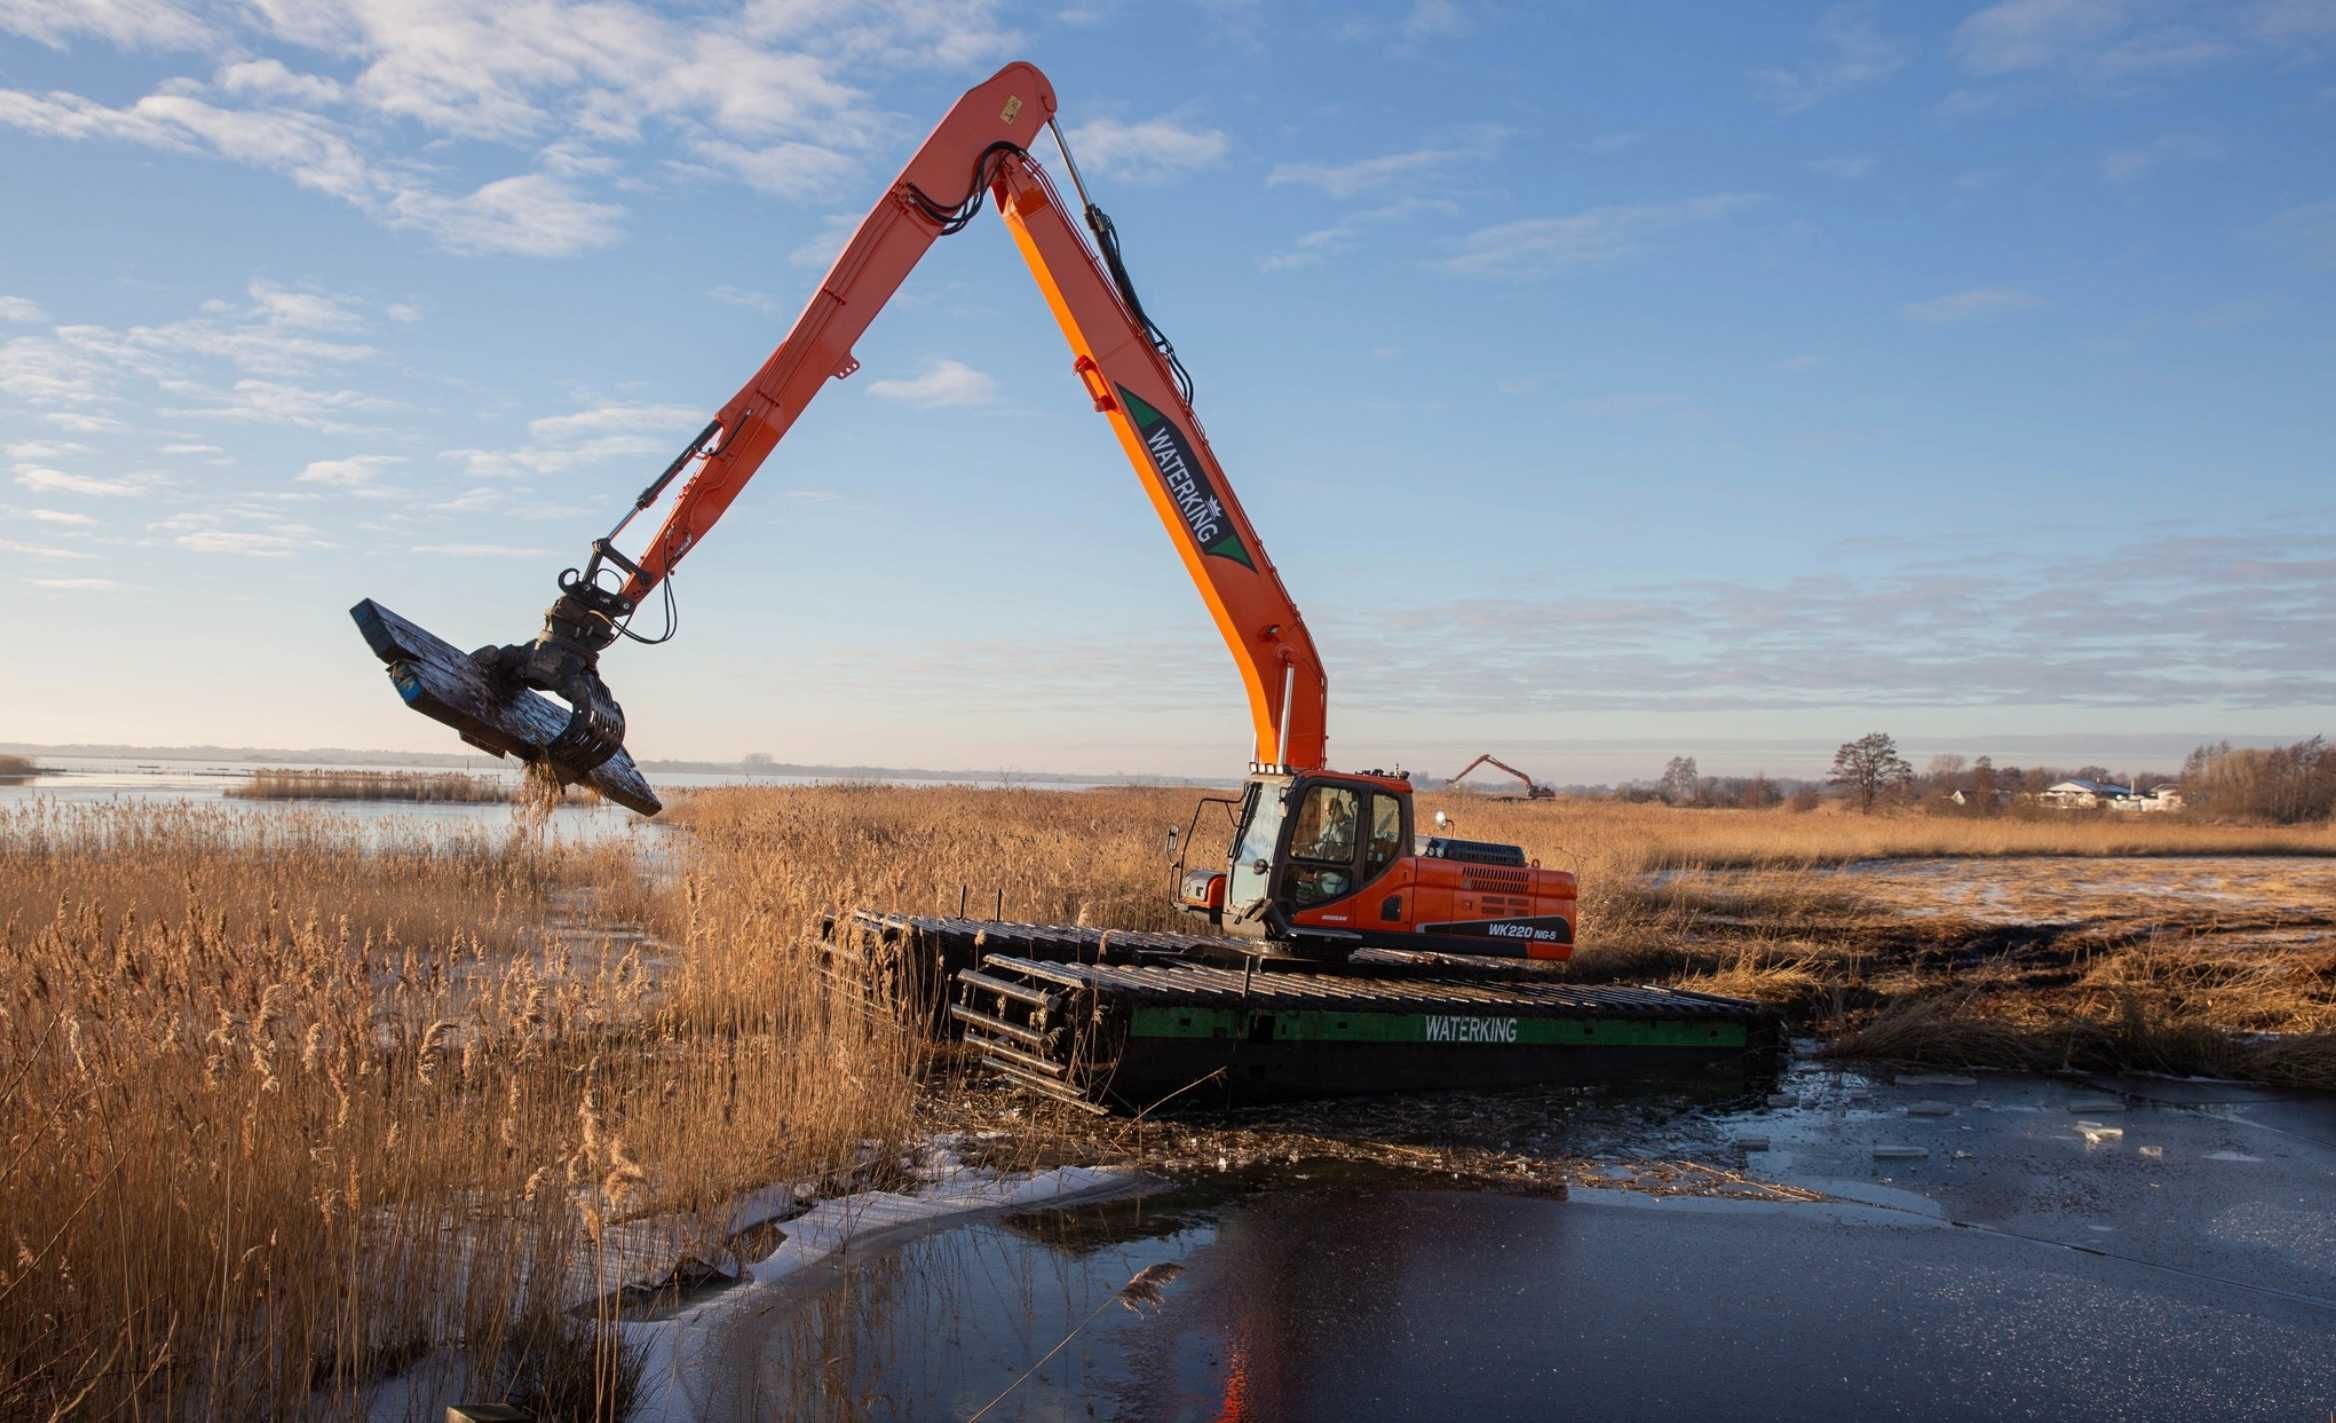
column 1322, row 868
column 1534, row 790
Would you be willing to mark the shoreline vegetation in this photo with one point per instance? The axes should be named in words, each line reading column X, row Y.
column 293, row 1111
column 439, row 786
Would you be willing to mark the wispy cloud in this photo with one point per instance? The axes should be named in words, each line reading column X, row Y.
column 356, row 474
column 1361, row 175
column 2128, row 164
column 1849, row 168
column 944, row 383
column 41, row 479
column 1534, row 246
column 2030, row 34
column 751, row 300
column 1851, row 52
column 25, row 550
column 17, row 308
column 1971, row 304
column 1147, row 150
column 75, row 585
column 2307, row 232
column 609, row 431
column 1323, row 243
column 59, row 516
column 481, row 551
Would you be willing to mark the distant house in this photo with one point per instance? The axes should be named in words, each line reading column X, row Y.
column 2159, row 797
column 2083, row 795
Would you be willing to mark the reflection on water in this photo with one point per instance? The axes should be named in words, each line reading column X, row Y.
column 84, row 779
column 944, row 1325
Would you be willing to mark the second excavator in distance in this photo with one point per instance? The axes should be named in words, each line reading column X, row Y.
column 1319, row 863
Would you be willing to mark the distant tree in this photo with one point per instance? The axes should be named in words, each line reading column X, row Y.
column 1983, row 795
column 758, row 759
column 1680, row 781
column 1759, row 793
column 1870, row 767
column 1805, row 798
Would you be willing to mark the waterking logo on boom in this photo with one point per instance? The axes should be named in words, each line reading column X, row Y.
column 1188, row 488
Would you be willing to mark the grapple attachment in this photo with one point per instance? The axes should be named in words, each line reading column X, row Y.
column 491, row 698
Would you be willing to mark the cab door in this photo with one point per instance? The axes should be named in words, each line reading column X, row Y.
column 1250, row 873
column 1347, row 847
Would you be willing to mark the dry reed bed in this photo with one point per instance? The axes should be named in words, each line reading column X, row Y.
column 433, row 786
column 280, row 1114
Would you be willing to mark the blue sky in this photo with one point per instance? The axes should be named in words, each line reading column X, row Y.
column 1606, row 379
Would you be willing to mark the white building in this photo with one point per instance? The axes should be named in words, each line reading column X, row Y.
column 2084, row 795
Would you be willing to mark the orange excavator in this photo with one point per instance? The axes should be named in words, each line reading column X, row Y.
column 1319, row 862
column 1534, row 790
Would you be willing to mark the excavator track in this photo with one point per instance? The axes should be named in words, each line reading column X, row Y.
column 1111, row 1019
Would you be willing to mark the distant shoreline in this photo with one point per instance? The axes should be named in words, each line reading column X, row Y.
column 441, row 760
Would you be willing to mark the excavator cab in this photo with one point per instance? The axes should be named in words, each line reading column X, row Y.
column 1322, row 863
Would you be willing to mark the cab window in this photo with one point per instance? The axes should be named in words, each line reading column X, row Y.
column 1326, row 825
column 1322, row 844
column 1386, row 844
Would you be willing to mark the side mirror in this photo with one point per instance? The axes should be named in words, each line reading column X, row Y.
column 1443, row 821
column 1171, row 842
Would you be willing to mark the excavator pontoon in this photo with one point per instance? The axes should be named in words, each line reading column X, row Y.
column 1323, row 872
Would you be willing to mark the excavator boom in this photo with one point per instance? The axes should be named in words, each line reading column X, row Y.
column 981, row 151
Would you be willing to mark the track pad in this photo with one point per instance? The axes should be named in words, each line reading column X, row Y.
column 441, row 682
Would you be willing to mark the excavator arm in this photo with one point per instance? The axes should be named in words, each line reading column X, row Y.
column 980, row 150
column 1533, row 789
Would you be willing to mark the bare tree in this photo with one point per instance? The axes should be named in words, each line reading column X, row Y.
column 1870, row 767
column 1680, row 781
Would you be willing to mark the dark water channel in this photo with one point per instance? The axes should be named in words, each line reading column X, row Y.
column 2063, row 1250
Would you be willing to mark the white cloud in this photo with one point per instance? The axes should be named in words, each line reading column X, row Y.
column 1536, row 245
column 17, row 308
column 304, row 307
column 402, row 312
column 2125, row 165
column 1345, row 180
column 616, row 430
column 752, row 301
column 80, row 423
column 613, row 417
column 532, row 214
column 2308, row 232
column 58, row 516
column 130, row 24
column 24, row 550
column 1312, row 248
column 69, row 585
column 818, row 251
column 482, row 551
column 788, row 170
column 269, row 79
column 42, row 480
column 264, row 402
column 2031, row 34
column 282, row 541
column 356, row 474
column 1972, row 304
column 1852, row 51
column 43, row 449
column 1849, row 168
column 944, row 383
column 471, row 501
column 192, row 449
column 1146, row 151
